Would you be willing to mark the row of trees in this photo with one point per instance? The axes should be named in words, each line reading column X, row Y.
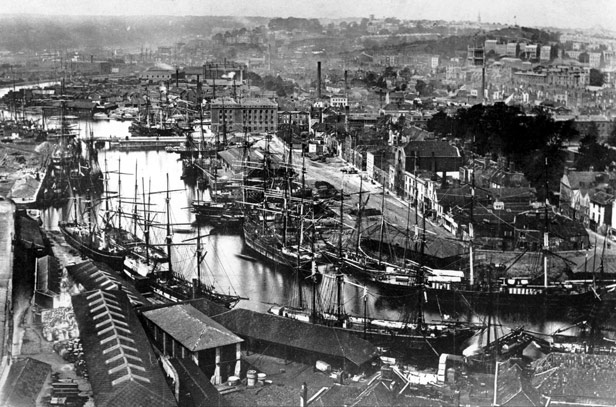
column 281, row 86
column 596, row 155
column 534, row 143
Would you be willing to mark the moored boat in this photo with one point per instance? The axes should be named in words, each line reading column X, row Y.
column 90, row 244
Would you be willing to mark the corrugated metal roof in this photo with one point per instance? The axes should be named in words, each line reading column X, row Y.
column 193, row 329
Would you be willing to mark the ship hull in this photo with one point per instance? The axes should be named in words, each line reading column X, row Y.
column 531, row 303
column 222, row 216
column 177, row 289
column 115, row 260
column 433, row 340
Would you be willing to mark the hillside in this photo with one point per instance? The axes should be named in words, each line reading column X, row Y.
column 36, row 33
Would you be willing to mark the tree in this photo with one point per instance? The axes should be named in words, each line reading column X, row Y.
column 254, row 79
column 591, row 153
column 440, row 124
column 611, row 139
column 423, row 88
column 596, row 77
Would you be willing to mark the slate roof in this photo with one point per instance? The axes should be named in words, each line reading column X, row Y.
column 205, row 306
column 512, row 390
column 586, row 179
column 576, row 375
column 296, row 334
column 559, row 226
column 80, row 104
column 123, row 369
column 30, row 232
column 189, row 326
column 417, row 134
column 48, row 274
column 195, row 386
column 92, row 277
column 601, row 198
column 425, row 148
column 24, row 382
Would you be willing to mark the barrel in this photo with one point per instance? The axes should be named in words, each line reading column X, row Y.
column 233, row 380
column 261, row 378
column 251, row 378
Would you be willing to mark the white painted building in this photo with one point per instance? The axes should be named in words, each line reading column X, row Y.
column 339, row 101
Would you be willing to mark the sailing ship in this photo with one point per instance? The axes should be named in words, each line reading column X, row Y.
column 152, row 122
column 410, row 335
column 70, row 168
column 151, row 266
column 274, row 219
column 90, row 240
column 223, row 209
column 451, row 291
column 141, row 258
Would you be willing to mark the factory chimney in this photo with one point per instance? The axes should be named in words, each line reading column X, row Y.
column 319, row 79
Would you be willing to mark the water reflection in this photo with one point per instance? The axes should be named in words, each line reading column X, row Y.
column 263, row 283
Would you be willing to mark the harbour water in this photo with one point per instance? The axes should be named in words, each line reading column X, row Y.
column 228, row 265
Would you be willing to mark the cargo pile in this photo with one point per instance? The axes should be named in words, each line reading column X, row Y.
column 59, row 324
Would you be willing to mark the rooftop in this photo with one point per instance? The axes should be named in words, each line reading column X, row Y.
column 297, row 334
column 123, row 369
column 192, row 328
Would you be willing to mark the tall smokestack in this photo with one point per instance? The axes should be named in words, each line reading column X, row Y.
column 346, row 81
column 177, row 78
column 319, row 79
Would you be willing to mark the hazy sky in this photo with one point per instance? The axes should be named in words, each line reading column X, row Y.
column 559, row 13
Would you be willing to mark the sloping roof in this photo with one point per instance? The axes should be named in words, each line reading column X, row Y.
column 92, row 277
column 576, row 375
column 398, row 106
column 416, row 133
column 586, row 179
column 259, row 102
column 449, row 197
column 48, row 274
column 559, row 226
column 205, row 306
column 193, row 329
column 198, row 388
column 232, row 156
column 123, row 369
column 511, row 390
column 30, row 232
column 24, row 188
column 296, row 334
column 601, row 198
column 24, row 382
column 80, row 104
column 425, row 148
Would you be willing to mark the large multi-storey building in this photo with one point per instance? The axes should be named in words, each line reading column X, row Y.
column 545, row 52
column 252, row 115
column 564, row 76
column 512, row 49
column 569, row 76
column 594, row 59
